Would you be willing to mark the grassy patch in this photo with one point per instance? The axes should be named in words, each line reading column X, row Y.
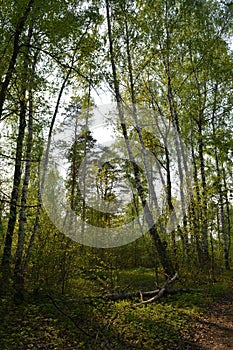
column 137, row 279
column 155, row 326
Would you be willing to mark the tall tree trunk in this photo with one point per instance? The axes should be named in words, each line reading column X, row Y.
column 6, row 258
column 204, row 224
column 87, row 116
column 195, row 213
column 18, row 169
column 162, row 253
column 181, row 158
column 44, row 171
column 1, row 211
column 220, row 187
column 228, row 214
column 18, row 271
column 202, row 96
column 35, row 231
column 168, row 183
column 143, row 148
column 16, row 47
column 135, row 115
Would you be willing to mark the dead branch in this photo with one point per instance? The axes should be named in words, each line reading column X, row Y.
column 162, row 291
column 152, row 295
column 130, row 295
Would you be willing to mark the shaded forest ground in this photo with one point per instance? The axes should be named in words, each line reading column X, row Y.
column 200, row 319
column 214, row 329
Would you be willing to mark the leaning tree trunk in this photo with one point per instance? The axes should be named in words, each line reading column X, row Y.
column 168, row 185
column 162, row 253
column 135, row 116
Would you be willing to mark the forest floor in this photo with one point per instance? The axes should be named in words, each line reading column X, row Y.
column 214, row 329
column 198, row 320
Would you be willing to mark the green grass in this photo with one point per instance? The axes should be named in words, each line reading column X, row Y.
column 137, row 279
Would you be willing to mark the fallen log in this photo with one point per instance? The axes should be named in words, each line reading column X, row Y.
column 152, row 295
column 130, row 295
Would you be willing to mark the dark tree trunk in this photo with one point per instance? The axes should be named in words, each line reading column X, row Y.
column 16, row 47
column 6, row 258
column 18, row 272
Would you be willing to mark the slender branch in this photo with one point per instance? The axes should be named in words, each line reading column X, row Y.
column 22, row 160
column 70, row 318
column 19, row 205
